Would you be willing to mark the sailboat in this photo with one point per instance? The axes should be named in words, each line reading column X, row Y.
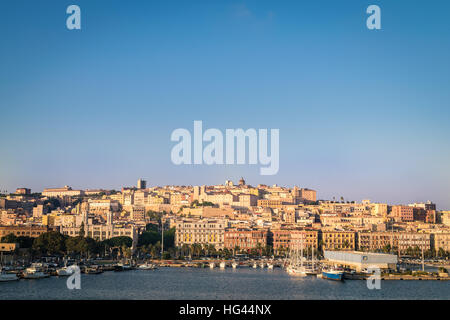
column 296, row 268
column 312, row 269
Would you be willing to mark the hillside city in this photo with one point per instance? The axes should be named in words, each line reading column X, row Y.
column 177, row 221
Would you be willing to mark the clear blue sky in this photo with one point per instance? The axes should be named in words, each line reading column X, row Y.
column 362, row 114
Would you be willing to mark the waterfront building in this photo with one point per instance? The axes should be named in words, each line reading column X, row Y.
column 411, row 240
column 360, row 261
column 441, row 241
column 8, row 247
column 338, row 240
column 245, row 239
column 201, row 231
column 377, row 241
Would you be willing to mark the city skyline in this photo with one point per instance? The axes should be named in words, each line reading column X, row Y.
column 361, row 113
column 336, row 197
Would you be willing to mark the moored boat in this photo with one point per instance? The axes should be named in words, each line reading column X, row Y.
column 212, row 265
column 94, row 269
column 4, row 277
column 332, row 274
column 222, row 265
column 147, row 266
column 34, row 273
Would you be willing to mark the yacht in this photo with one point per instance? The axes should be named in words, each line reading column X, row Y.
column 64, row 272
column 94, row 269
column 212, row 265
column 255, row 265
column 34, row 273
column 7, row 276
column 222, row 265
column 262, row 265
column 234, row 265
column 147, row 266
column 270, row 266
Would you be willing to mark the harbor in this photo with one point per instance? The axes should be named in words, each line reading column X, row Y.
column 180, row 283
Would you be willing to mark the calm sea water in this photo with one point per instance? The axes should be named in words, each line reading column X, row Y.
column 240, row 284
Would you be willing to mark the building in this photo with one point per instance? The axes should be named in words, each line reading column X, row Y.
column 39, row 211
column 141, row 184
column 308, row 194
column 403, row 213
column 360, row 261
column 309, row 238
column 8, row 247
column 23, row 231
column 441, row 241
column 201, row 231
column 412, row 240
column 61, row 192
column 245, row 239
column 378, row 241
column 23, row 191
column 338, row 240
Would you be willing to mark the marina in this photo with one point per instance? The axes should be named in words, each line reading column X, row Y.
column 204, row 283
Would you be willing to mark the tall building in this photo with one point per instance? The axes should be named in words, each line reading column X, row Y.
column 403, row 213
column 308, row 194
column 141, row 184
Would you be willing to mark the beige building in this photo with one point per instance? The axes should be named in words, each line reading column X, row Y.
column 201, row 231
column 338, row 240
column 61, row 192
column 442, row 240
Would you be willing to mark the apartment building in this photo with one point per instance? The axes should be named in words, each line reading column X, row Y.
column 23, row 231
column 245, row 239
column 201, row 231
column 338, row 240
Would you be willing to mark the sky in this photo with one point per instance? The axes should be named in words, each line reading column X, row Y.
column 362, row 114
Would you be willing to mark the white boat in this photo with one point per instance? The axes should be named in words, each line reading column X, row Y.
column 34, row 273
column 4, row 277
column 147, row 266
column 234, row 265
column 255, row 265
column 262, row 265
column 212, row 265
column 270, row 266
column 319, row 275
column 64, row 272
column 222, row 265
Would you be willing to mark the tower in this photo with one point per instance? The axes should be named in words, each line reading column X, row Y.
column 109, row 218
column 141, row 184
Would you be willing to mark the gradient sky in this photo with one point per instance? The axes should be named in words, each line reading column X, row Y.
column 362, row 114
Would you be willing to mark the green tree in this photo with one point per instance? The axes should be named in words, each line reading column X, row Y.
column 10, row 238
column 50, row 243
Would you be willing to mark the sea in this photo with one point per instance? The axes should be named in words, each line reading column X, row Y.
column 211, row 284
